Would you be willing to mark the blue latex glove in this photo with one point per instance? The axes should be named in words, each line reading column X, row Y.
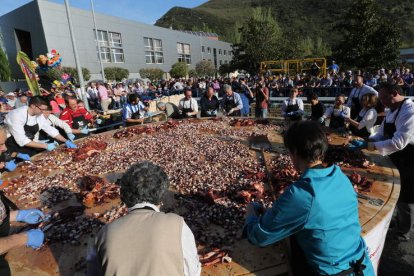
column 51, row 146
column 98, row 121
column 30, row 216
column 35, row 238
column 70, row 145
column 85, row 131
column 10, row 166
column 1, row 183
column 357, row 144
column 343, row 115
column 71, row 136
column 23, row 156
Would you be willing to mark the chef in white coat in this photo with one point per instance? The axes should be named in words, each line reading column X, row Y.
column 395, row 138
column 22, row 125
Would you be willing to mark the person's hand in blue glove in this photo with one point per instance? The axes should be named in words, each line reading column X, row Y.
column 70, row 145
column 71, row 136
column 23, row 156
column 85, row 130
column 343, row 115
column 357, row 144
column 10, row 166
column 98, row 121
column 50, row 146
column 30, row 216
column 35, row 238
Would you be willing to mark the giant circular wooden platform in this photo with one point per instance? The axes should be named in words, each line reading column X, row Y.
column 59, row 259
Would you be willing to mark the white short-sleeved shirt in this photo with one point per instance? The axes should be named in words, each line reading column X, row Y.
column 369, row 117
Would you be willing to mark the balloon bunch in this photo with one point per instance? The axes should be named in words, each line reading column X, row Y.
column 65, row 81
column 48, row 61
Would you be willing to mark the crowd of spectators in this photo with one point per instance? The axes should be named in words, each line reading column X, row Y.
column 106, row 96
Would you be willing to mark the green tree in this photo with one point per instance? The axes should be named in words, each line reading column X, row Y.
column 74, row 73
column 225, row 69
column 259, row 41
column 179, row 70
column 205, row 68
column 50, row 75
column 5, row 71
column 369, row 40
column 151, row 73
column 116, row 73
column 308, row 47
column 192, row 73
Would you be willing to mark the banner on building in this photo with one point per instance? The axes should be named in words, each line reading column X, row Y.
column 29, row 72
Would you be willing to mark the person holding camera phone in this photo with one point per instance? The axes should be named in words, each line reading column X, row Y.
column 262, row 101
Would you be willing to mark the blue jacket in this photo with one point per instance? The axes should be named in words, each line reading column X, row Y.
column 321, row 211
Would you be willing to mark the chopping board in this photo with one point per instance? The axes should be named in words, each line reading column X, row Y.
column 60, row 259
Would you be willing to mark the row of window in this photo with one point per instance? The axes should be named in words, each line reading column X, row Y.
column 224, row 52
column 221, row 62
column 110, row 45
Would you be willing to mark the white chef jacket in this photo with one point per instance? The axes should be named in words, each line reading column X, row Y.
column 290, row 101
column 332, row 111
column 54, row 121
column 356, row 91
column 404, row 134
column 18, row 118
column 192, row 103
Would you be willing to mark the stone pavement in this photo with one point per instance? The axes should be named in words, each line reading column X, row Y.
column 397, row 259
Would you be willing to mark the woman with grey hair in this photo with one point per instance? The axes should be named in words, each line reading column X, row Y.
column 146, row 241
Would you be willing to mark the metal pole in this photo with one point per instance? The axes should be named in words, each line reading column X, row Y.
column 97, row 42
column 75, row 52
column 201, row 43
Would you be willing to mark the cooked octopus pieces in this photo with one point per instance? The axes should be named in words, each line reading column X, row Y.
column 212, row 173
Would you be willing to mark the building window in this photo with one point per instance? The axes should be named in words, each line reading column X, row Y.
column 184, row 53
column 224, row 52
column 230, row 53
column 219, row 51
column 208, row 50
column 153, row 51
column 203, row 49
column 110, row 44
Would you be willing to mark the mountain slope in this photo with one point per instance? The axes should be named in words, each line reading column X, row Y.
column 312, row 18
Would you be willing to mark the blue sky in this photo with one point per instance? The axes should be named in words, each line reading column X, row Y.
column 146, row 11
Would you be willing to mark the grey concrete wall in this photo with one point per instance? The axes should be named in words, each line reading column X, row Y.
column 57, row 35
column 26, row 18
column 10, row 86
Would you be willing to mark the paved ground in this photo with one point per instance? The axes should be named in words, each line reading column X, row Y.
column 397, row 259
